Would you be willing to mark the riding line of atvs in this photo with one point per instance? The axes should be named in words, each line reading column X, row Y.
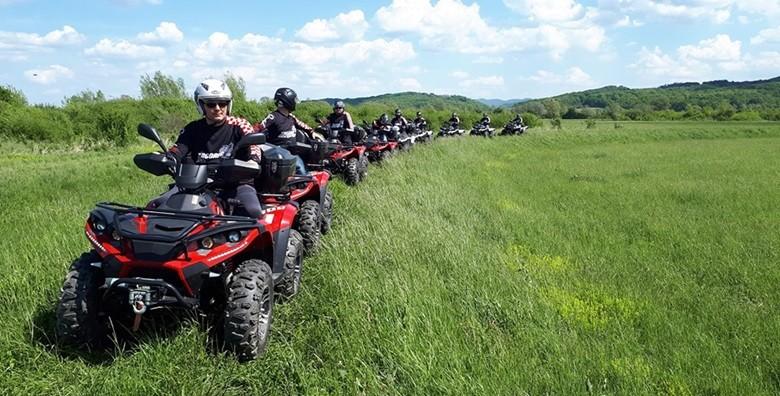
column 197, row 250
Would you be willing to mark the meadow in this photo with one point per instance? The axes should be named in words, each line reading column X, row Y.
column 634, row 260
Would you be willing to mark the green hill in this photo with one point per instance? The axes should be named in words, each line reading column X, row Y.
column 720, row 100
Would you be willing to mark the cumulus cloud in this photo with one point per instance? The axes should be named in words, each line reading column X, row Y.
column 124, row 49
column 548, row 10
column 455, row 26
column 771, row 35
column 166, row 32
column 65, row 36
column 347, row 26
column 459, row 74
column 572, row 76
column 48, row 75
column 718, row 48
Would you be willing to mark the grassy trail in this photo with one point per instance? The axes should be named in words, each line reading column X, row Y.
column 639, row 260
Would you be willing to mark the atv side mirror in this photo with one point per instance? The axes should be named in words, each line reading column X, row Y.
column 150, row 133
column 249, row 140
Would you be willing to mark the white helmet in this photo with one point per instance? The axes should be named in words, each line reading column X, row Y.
column 212, row 90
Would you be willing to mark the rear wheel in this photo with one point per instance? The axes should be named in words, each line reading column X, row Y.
column 290, row 282
column 352, row 173
column 78, row 322
column 363, row 167
column 249, row 309
column 309, row 224
column 327, row 212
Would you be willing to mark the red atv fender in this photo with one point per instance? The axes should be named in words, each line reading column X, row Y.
column 278, row 220
column 314, row 190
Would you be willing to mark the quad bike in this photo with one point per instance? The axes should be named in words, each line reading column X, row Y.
column 345, row 157
column 310, row 191
column 378, row 146
column 450, row 130
column 190, row 248
column 400, row 134
column 482, row 129
column 514, row 128
column 420, row 133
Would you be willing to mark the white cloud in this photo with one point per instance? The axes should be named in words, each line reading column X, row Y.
column 48, row 75
column 718, row 48
column 124, row 49
column 771, row 35
column 767, row 60
column 656, row 63
column 454, row 26
column 349, row 26
column 717, row 11
column 166, row 32
column 760, row 7
column 573, row 76
column 483, row 82
column 459, row 74
column 548, row 10
column 410, row 84
column 66, row 36
column 488, row 60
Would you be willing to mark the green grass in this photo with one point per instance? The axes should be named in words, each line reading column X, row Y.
column 638, row 260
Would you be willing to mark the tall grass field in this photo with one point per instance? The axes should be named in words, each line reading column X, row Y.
column 639, row 258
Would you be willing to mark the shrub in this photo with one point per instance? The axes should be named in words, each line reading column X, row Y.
column 36, row 124
column 589, row 123
column 532, row 120
column 556, row 123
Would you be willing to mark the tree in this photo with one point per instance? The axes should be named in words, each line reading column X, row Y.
column 86, row 96
column 162, row 86
column 12, row 96
column 552, row 108
column 237, row 85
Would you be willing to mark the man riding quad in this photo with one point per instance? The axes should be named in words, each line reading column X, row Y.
column 399, row 119
column 485, row 120
column 341, row 120
column 420, row 122
column 212, row 137
column 281, row 126
column 454, row 121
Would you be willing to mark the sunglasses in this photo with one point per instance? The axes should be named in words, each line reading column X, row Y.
column 212, row 105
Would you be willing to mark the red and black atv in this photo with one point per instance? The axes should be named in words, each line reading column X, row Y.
column 189, row 251
column 344, row 156
column 311, row 192
column 378, row 145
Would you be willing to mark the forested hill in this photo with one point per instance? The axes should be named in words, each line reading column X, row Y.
column 416, row 100
column 719, row 99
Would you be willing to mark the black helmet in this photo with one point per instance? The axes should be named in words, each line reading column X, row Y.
column 286, row 97
column 484, row 114
column 339, row 104
column 454, row 114
column 397, row 112
column 419, row 114
column 383, row 117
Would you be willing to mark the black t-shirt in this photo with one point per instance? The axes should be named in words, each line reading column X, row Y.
column 201, row 143
column 399, row 120
column 281, row 129
column 342, row 121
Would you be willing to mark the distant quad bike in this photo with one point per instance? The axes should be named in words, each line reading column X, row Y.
column 401, row 135
column 191, row 248
column 378, row 146
column 514, row 128
column 420, row 133
column 482, row 129
column 450, row 130
column 345, row 155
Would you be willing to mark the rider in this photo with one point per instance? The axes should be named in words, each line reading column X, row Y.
column 341, row 120
column 518, row 119
column 485, row 120
column 212, row 137
column 420, row 122
column 399, row 119
column 454, row 121
column 281, row 126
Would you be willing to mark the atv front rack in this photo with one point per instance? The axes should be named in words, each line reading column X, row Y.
column 122, row 209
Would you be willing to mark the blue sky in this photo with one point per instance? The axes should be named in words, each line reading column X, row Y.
column 496, row 49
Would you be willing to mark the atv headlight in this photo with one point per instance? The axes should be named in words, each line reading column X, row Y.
column 99, row 225
column 234, row 236
column 207, row 243
column 115, row 235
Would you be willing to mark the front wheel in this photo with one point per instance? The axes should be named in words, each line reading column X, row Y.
column 363, row 167
column 327, row 212
column 308, row 225
column 78, row 322
column 352, row 173
column 290, row 282
column 249, row 309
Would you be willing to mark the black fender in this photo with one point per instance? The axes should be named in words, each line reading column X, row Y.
column 280, row 239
